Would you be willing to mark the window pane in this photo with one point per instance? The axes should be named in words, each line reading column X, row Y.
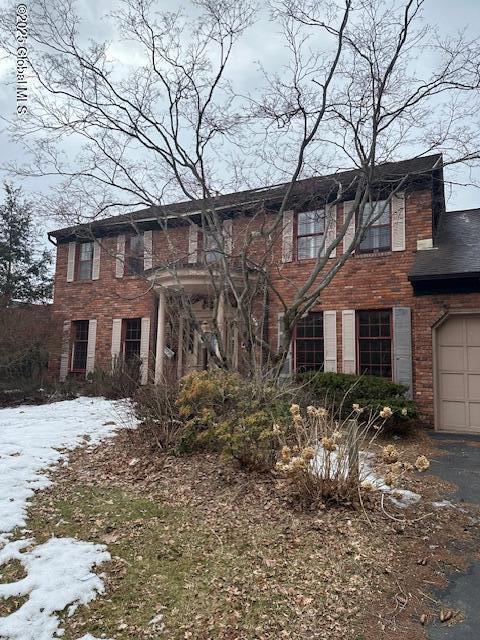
column 79, row 347
column 134, row 257
column 86, row 251
column 374, row 343
column 309, row 350
column 376, row 212
column 309, row 247
column 376, row 238
column 84, row 270
column 310, row 222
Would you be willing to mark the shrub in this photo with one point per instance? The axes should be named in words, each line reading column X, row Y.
column 342, row 390
column 155, row 406
column 234, row 416
column 121, row 381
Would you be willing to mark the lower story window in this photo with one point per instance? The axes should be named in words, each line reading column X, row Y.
column 79, row 345
column 374, row 335
column 308, row 343
column 132, row 330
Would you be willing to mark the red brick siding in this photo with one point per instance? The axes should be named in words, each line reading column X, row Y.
column 365, row 282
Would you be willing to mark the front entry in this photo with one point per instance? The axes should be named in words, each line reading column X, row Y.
column 458, row 374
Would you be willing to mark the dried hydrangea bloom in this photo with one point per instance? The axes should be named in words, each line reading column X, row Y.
column 286, row 453
column 390, row 454
column 404, row 411
column 386, row 412
column 422, row 463
column 308, row 453
column 357, row 408
column 328, row 444
column 295, row 410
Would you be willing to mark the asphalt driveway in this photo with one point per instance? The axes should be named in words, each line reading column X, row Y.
column 461, row 466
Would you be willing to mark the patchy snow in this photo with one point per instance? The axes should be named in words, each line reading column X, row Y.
column 30, row 439
column 335, row 466
column 60, row 571
column 58, row 575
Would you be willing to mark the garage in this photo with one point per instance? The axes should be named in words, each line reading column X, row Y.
column 458, row 374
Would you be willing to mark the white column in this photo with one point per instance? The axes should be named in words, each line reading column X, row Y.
column 159, row 355
column 180, row 348
column 221, row 317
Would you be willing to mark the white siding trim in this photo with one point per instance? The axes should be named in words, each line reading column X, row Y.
column 349, row 351
column 228, row 236
column 120, row 256
column 144, row 349
column 398, row 222
column 350, row 232
column 96, row 260
column 71, row 261
column 147, row 250
column 65, row 352
column 116, row 339
column 192, row 243
column 287, row 236
column 330, row 340
column 92, row 338
column 331, row 228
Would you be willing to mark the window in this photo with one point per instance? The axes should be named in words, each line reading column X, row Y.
column 134, row 254
column 310, row 233
column 85, row 261
column 211, row 251
column 79, row 345
column 132, row 331
column 374, row 333
column 308, row 344
column 378, row 236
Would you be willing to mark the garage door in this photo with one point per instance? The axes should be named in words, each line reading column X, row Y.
column 458, row 362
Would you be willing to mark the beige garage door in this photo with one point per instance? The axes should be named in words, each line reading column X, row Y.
column 458, row 380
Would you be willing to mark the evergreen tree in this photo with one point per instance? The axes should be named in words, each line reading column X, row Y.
column 24, row 266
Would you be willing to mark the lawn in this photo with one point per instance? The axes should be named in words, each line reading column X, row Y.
column 201, row 549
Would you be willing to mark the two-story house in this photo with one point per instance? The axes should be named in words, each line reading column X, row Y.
column 405, row 305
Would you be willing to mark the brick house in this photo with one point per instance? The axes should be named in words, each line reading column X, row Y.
column 405, row 305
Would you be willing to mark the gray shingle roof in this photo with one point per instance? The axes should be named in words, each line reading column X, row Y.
column 457, row 248
column 418, row 169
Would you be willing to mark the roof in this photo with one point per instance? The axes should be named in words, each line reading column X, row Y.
column 417, row 169
column 456, row 251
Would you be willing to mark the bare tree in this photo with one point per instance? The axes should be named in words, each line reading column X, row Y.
column 352, row 95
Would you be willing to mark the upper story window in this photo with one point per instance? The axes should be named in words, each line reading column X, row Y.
column 310, row 233
column 85, row 261
column 378, row 236
column 374, row 337
column 134, row 254
column 79, row 346
column 308, row 343
column 211, row 252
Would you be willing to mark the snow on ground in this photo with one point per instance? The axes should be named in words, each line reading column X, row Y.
column 59, row 572
column 334, row 466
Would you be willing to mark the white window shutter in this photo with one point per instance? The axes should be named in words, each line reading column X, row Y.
column 65, row 353
column 287, row 236
column 330, row 340
column 116, row 339
column 144, row 349
column 287, row 365
column 228, row 236
column 92, row 339
column 147, row 250
column 120, row 256
column 192, row 243
column 331, row 228
column 349, row 360
column 402, row 346
column 71, row 261
column 96, row 260
column 398, row 222
column 350, row 232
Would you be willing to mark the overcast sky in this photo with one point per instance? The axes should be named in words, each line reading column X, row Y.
column 261, row 43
